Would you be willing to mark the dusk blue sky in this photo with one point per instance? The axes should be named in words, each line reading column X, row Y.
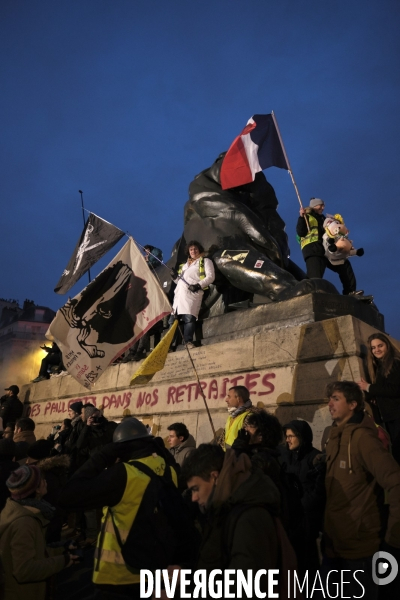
column 128, row 100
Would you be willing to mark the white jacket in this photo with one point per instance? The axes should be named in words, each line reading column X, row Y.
column 186, row 302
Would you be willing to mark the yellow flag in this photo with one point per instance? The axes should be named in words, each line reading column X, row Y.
column 156, row 360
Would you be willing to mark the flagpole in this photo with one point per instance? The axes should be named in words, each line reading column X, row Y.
column 290, row 168
column 198, row 383
column 84, row 223
column 160, row 261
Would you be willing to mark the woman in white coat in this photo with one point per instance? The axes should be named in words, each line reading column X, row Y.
column 191, row 279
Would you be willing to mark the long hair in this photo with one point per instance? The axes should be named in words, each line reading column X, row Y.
column 385, row 365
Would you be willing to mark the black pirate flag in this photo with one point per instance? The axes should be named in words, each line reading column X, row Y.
column 97, row 238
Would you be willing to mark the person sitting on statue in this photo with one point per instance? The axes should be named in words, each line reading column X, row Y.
column 191, row 278
column 53, row 358
column 311, row 242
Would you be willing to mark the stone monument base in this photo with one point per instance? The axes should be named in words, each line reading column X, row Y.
column 284, row 353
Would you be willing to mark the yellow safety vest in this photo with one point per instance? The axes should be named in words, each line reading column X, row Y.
column 232, row 428
column 202, row 271
column 109, row 565
column 312, row 236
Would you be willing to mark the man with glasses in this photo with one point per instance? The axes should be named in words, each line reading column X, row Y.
column 314, row 251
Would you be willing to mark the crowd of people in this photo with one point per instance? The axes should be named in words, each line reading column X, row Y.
column 258, row 496
column 261, row 495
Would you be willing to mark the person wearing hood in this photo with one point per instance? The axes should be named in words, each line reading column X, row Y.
column 361, row 475
column 297, row 457
column 181, row 442
column 241, row 507
column 191, row 278
column 27, row 562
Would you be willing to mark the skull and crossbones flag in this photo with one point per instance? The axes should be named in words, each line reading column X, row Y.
column 99, row 324
column 97, row 238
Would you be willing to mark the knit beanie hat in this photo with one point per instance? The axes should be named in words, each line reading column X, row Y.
column 40, row 449
column 76, row 407
column 24, row 482
column 315, row 202
column 88, row 410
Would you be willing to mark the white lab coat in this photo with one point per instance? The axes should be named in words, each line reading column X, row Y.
column 189, row 303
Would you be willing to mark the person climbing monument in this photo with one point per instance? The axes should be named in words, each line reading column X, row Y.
column 314, row 252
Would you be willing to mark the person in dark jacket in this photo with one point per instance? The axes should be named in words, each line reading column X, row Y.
column 7, row 465
column 11, row 407
column 53, row 358
column 104, row 482
column 27, row 562
column 241, row 506
column 383, row 391
column 97, row 431
column 181, row 442
column 314, row 251
column 55, row 471
column 298, row 457
column 59, row 435
column 77, row 424
column 24, row 437
column 259, row 439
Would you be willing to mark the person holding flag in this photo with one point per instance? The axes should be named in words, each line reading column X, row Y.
column 310, row 230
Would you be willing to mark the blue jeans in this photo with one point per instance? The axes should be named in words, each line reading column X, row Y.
column 189, row 325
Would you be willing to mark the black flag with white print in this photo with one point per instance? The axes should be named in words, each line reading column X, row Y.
column 97, row 238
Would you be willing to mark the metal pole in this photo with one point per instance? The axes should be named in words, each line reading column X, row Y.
column 84, row 224
column 198, row 383
column 289, row 167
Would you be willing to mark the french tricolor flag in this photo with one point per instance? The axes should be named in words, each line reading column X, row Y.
column 258, row 147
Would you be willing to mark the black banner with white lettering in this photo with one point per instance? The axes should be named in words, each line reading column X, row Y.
column 97, row 238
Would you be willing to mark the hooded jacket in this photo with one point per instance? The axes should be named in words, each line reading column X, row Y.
column 241, row 533
column 24, row 556
column 181, row 452
column 300, row 463
column 358, row 469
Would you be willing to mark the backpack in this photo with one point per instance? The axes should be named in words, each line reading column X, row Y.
column 162, row 533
